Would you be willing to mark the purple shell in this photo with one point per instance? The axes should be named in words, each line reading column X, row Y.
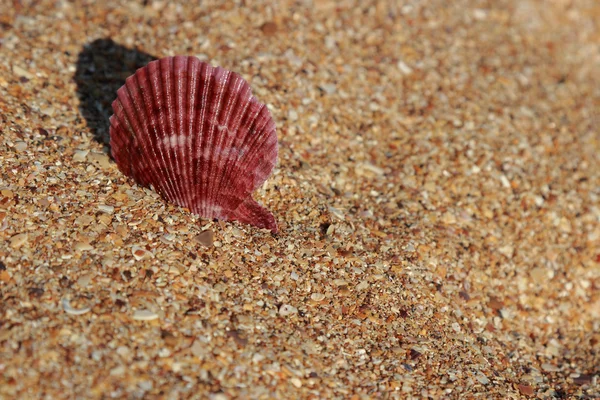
column 198, row 136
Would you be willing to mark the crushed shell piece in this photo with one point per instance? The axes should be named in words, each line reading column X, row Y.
column 144, row 315
column 74, row 311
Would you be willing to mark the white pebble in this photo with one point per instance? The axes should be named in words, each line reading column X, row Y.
column 317, row 297
column 144, row 315
column 405, row 69
column 74, row 311
column 20, row 146
column 329, row 88
column 106, row 209
column 80, row 155
column 287, row 309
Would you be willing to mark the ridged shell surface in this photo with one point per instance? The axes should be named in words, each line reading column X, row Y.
column 198, row 136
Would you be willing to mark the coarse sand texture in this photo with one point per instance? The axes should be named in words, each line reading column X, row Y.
column 436, row 196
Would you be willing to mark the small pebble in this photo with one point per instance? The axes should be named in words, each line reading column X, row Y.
column 405, row 69
column 286, row 310
column 20, row 146
column 292, row 115
column 482, row 379
column 328, row 88
column 106, row 209
column 198, row 348
column 144, row 315
column 84, row 280
column 100, row 159
column 206, row 238
column 269, row 28
column 117, row 371
column 17, row 241
column 80, row 155
column 550, row 367
column 317, row 297
column 296, row 382
column 140, row 253
column 22, row 72
column 83, row 246
column 74, row 311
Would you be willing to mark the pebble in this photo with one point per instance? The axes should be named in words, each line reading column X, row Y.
column 526, row 390
column 140, row 253
column 337, row 213
column 17, row 241
column 269, row 28
column 100, row 158
column 482, row 379
column 317, row 296
column 293, row 115
column 80, row 155
column 22, row 72
column 198, row 348
column 365, row 169
column 74, row 311
column 20, row 146
column 123, row 351
column 83, row 246
column 538, row 275
column 48, row 110
column 117, row 371
column 328, row 88
column 286, row 310
column 84, row 280
column 296, row 382
column 405, row 69
column 106, row 209
column 205, row 238
column 144, row 315
column 550, row 367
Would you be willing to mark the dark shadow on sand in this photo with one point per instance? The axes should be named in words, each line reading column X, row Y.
column 102, row 67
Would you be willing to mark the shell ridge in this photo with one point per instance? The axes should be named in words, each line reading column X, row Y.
column 246, row 147
column 189, row 131
column 213, row 140
column 136, row 119
column 159, row 126
column 227, row 177
column 234, row 88
column 117, row 142
column 177, row 139
column 128, row 125
column 168, row 71
column 181, row 108
column 204, row 139
column 256, row 152
column 197, row 132
column 158, row 168
column 222, row 111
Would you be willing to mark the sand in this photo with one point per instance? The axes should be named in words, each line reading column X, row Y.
column 437, row 192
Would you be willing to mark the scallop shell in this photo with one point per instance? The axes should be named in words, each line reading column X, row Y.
column 198, row 136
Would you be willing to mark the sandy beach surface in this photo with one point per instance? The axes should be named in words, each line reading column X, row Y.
column 437, row 193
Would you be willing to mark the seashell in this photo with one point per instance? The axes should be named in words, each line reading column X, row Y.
column 198, row 136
